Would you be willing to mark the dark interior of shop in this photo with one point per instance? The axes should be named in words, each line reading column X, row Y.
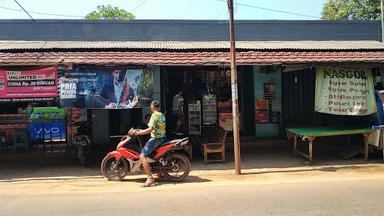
column 197, row 83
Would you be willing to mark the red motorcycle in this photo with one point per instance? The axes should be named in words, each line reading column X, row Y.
column 170, row 160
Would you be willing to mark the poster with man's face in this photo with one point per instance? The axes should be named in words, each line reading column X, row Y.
column 110, row 88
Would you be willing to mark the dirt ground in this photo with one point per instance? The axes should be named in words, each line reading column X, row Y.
column 273, row 182
column 63, row 175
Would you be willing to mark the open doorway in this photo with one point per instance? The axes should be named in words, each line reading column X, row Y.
column 209, row 89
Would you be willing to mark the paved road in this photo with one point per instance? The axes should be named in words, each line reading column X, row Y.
column 328, row 197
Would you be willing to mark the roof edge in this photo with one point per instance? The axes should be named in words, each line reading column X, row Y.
column 172, row 21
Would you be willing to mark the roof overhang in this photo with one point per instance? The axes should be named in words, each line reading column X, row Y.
column 188, row 52
column 189, row 57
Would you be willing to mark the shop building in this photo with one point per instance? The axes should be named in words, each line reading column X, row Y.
column 277, row 64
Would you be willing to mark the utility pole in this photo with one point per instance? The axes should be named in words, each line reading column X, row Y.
column 235, row 104
column 382, row 20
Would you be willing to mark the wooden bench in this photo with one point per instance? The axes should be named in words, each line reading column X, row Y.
column 215, row 145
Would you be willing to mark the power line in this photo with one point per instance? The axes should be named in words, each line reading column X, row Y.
column 236, row 7
column 139, row 5
column 24, row 10
column 185, row 10
column 226, row 10
column 41, row 13
column 274, row 10
column 221, row 13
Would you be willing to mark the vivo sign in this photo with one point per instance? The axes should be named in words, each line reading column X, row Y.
column 47, row 130
column 54, row 130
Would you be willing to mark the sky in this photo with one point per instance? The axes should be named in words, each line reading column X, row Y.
column 167, row 9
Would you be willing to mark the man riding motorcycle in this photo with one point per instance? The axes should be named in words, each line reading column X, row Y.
column 157, row 129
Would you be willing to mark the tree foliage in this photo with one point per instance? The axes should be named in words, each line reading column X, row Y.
column 352, row 10
column 107, row 12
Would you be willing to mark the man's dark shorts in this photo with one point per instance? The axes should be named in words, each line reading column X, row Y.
column 151, row 145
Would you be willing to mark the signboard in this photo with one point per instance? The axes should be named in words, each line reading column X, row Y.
column 380, row 106
column 209, row 109
column 345, row 91
column 194, row 117
column 226, row 121
column 107, row 87
column 262, row 111
column 50, row 131
column 47, row 114
column 47, row 123
column 28, row 85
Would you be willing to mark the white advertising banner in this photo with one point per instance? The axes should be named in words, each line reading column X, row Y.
column 345, row 91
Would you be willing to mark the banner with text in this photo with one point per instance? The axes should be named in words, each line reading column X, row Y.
column 105, row 87
column 28, row 85
column 345, row 91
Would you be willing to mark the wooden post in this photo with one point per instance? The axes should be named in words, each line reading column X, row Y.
column 235, row 106
column 310, row 148
column 382, row 20
column 366, row 147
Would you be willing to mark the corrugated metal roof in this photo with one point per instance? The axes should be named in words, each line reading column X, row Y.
column 191, row 45
column 189, row 58
column 187, row 30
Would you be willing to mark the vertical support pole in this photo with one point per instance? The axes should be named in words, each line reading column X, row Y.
column 310, row 148
column 382, row 20
column 295, row 145
column 366, row 147
column 235, row 106
column 381, row 141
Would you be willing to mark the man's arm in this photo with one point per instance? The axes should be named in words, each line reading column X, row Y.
column 143, row 132
column 149, row 130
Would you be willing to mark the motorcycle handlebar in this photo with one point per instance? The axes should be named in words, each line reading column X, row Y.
column 124, row 137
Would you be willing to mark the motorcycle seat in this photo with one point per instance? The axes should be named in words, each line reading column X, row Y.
column 173, row 141
column 165, row 143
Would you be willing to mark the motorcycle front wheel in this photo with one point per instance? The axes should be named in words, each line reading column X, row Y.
column 180, row 167
column 114, row 170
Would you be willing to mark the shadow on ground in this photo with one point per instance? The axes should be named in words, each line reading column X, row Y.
column 189, row 179
column 276, row 160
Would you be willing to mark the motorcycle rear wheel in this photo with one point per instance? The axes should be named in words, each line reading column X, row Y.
column 181, row 170
column 114, row 170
